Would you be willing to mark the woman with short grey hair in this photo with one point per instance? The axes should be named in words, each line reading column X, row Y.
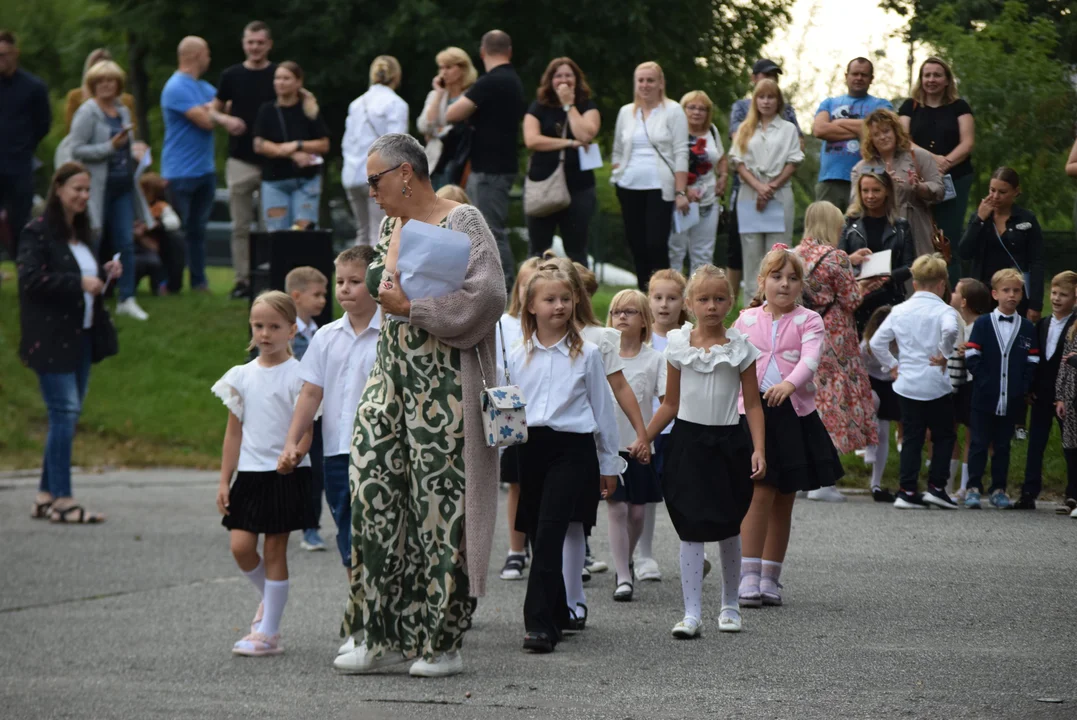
column 420, row 465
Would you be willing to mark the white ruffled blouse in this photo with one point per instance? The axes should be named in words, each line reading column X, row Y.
column 710, row 378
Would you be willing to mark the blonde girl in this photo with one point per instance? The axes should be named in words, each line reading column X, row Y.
column 510, row 332
column 713, row 455
column 665, row 294
column 260, row 396
column 800, row 454
column 765, row 153
column 645, row 371
column 570, row 457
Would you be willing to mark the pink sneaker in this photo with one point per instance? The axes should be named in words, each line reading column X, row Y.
column 257, row 621
column 258, row 644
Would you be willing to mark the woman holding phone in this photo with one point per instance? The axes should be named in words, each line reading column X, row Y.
column 101, row 139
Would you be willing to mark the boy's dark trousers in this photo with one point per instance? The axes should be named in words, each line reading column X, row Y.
column 919, row 416
column 990, row 431
column 1039, row 431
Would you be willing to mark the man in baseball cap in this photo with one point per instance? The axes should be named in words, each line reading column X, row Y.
column 766, row 68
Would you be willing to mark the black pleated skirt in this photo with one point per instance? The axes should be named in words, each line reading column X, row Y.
column 800, row 453
column 889, row 407
column 707, row 480
column 963, row 404
column 510, row 464
column 559, row 479
column 270, row 503
column 639, row 485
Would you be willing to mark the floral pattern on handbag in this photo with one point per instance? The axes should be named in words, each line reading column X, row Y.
column 504, row 416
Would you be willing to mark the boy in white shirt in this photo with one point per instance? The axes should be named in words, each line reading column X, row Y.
column 334, row 370
column 925, row 328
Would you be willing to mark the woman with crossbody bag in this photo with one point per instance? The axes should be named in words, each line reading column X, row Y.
column 1001, row 235
column 379, row 111
column 560, row 121
column 650, row 170
column 707, row 175
column 292, row 137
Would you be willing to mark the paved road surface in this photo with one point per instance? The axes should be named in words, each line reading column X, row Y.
column 889, row 615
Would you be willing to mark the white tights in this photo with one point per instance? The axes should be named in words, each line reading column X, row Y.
column 626, row 526
column 692, row 574
column 572, row 558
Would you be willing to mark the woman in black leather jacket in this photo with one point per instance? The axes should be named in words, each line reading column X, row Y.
column 871, row 226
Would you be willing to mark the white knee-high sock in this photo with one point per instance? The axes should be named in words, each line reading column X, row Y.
column 882, row 452
column 692, row 578
column 619, row 540
column 964, row 476
column 729, row 557
column 257, row 576
column 572, row 558
column 955, row 468
column 276, row 597
column 646, row 540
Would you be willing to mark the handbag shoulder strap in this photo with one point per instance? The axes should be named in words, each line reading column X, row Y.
column 656, row 150
column 504, row 358
column 280, row 116
column 818, row 263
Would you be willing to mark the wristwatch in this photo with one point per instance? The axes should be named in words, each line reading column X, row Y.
column 299, row 145
column 567, row 107
column 682, row 193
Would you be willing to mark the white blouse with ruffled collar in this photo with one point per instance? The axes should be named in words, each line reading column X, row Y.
column 710, row 378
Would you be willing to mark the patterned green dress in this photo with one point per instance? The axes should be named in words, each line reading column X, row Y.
column 409, row 590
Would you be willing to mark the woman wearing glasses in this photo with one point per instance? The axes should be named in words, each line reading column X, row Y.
column 887, row 149
column 418, row 446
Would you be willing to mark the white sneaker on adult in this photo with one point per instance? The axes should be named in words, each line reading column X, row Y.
column 1074, row 514
column 647, row 569
column 131, row 309
column 360, row 660
column 347, row 647
column 443, row 665
column 826, row 494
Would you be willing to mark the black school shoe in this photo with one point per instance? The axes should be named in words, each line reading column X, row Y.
column 1027, row 502
column 939, row 498
column 538, row 642
column 882, row 495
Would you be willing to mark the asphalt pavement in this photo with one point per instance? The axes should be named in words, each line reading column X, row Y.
column 888, row 614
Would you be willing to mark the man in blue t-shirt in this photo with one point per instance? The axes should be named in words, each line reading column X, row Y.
column 187, row 155
column 838, row 122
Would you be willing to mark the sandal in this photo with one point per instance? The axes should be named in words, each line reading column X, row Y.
column 258, row 644
column 257, row 621
column 62, row 516
column 40, row 511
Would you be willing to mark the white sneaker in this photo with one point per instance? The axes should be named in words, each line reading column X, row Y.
column 826, row 494
column 360, row 660
column 346, row 647
column 130, row 308
column 443, row 665
column 647, row 569
column 1074, row 514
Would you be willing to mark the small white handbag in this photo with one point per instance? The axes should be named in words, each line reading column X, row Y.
column 504, row 418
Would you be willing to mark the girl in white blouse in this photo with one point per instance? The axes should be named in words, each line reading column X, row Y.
column 711, row 458
column 570, row 457
column 650, row 169
column 765, row 152
column 260, row 397
column 645, row 371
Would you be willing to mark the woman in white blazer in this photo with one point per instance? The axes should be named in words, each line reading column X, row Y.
column 650, row 169
column 379, row 111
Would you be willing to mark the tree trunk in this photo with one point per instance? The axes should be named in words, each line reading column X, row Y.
column 139, row 85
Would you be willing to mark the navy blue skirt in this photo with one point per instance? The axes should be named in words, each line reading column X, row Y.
column 268, row 503
column 639, row 485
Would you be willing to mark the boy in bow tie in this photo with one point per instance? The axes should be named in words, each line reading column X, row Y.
column 1002, row 353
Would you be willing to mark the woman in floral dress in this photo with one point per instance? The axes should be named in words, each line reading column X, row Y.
column 419, row 463
column 844, row 393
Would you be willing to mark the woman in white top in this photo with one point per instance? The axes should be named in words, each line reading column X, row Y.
column 765, row 153
column 707, row 175
column 650, row 169
column 456, row 73
column 379, row 111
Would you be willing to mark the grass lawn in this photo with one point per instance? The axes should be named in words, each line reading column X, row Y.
column 151, row 404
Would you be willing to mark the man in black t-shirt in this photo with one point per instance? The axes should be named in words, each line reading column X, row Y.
column 495, row 105
column 242, row 90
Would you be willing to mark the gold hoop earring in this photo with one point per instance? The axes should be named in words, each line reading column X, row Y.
column 406, row 190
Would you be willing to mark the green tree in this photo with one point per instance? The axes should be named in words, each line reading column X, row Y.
column 1022, row 99
column 967, row 14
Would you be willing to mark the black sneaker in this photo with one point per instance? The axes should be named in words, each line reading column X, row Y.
column 939, row 498
column 514, row 567
column 241, row 291
column 882, row 495
column 1027, row 502
column 909, row 501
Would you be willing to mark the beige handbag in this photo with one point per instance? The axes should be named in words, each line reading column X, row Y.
column 545, row 197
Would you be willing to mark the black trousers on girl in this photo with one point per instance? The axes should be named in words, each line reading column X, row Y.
column 647, row 220
column 559, row 484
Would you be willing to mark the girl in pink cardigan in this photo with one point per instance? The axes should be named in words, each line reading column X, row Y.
column 800, row 453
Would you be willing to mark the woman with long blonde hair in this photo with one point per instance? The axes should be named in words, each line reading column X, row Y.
column 650, row 169
column 766, row 151
column 456, row 73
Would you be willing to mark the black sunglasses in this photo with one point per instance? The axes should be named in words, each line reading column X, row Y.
column 372, row 180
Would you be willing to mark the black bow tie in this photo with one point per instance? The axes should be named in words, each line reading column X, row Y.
column 1004, row 318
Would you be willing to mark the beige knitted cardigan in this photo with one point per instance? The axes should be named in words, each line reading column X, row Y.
column 466, row 319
